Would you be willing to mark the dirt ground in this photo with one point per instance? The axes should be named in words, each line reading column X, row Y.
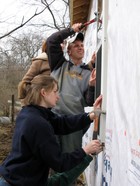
column 6, row 133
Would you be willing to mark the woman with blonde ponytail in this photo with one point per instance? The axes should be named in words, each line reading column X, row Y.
column 34, row 147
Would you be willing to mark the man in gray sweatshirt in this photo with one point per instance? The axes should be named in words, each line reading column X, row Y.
column 75, row 79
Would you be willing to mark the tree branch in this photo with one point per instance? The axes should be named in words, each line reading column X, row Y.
column 23, row 23
column 48, row 6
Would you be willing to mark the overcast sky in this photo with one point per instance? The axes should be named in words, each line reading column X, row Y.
column 13, row 11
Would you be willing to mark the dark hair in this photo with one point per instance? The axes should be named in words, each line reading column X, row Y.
column 30, row 92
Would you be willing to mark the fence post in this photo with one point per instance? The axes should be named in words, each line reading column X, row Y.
column 13, row 109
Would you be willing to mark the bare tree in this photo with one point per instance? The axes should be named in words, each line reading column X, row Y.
column 62, row 17
column 15, row 59
column 24, row 40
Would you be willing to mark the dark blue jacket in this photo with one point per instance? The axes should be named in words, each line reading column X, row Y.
column 35, row 148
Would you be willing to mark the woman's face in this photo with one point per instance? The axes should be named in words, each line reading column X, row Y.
column 50, row 98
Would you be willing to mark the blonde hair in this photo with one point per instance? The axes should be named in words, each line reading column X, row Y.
column 29, row 93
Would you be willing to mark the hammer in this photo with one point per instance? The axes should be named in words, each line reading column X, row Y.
column 98, row 112
column 91, row 21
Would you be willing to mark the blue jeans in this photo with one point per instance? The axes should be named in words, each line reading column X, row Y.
column 3, row 182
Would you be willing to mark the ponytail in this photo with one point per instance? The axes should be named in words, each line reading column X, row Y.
column 23, row 88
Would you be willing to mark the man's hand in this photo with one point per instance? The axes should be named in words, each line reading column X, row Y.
column 93, row 58
column 98, row 102
column 76, row 27
column 92, row 61
column 96, row 108
column 92, row 80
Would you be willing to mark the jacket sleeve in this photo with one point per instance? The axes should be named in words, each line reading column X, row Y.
column 54, row 49
column 40, row 140
column 49, row 150
column 66, row 124
column 51, row 153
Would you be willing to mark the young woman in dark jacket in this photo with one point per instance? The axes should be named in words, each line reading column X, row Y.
column 34, row 148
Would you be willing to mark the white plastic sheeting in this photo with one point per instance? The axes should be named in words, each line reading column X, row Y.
column 120, row 164
column 123, row 94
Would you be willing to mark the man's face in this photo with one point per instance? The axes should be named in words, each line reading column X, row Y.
column 76, row 50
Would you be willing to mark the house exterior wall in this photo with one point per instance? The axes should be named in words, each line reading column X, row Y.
column 119, row 164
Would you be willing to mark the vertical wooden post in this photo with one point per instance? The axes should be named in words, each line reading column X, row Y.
column 13, row 109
